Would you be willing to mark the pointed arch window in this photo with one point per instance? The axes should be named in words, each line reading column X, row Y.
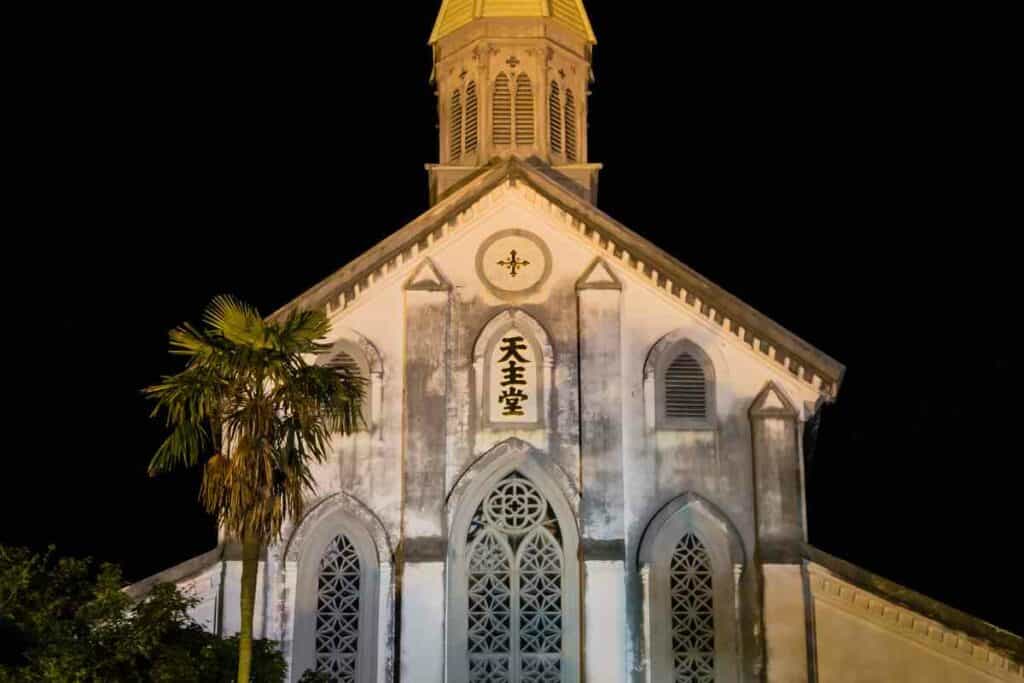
column 555, row 109
column 693, row 613
column 471, row 118
column 571, row 150
column 337, row 593
column 502, row 126
column 337, row 611
column 348, row 361
column 455, row 129
column 685, row 388
column 514, row 576
column 692, row 559
column 524, row 110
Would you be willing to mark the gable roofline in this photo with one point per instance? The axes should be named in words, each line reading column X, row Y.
column 665, row 272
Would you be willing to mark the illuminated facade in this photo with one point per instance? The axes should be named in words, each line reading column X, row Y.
column 582, row 461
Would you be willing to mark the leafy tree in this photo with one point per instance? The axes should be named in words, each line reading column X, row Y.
column 67, row 621
column 257, row 414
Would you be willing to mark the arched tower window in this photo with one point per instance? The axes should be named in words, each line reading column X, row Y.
column 514, row 577
column 555, row 109
column 571, row 153
column 471, row 118
column 502, row 128
column 692, row 558
column 338, row 611
column 524, row 110
column 455, row 129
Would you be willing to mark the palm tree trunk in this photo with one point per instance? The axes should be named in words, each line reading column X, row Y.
column 250, row 569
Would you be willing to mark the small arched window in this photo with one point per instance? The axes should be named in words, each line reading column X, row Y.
column 524, row 110
column 555, row 109
column 345, row 362
column 455, row 129
column 471, row 118
column 571, row 153
column 685, row 389
column 502, row 111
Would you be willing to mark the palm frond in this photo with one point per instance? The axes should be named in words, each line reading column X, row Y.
column 237, row 322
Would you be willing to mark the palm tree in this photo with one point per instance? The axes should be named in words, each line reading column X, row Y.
column 252, row 409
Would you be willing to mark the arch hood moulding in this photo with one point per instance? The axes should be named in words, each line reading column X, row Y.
column 614, row 242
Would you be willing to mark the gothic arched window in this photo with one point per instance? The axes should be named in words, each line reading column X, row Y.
column 502, row 126
column 471, row 118
column 685, row 388
column 336, row 600
column 455, row 129
column 524, row 110
column 693, row 612
column 350, row 362
column 555, row 110
column 571, row 152
column 336, row 648
column 514, row 576
column 691, row 557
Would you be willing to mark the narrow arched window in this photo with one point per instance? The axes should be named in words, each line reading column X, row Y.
column 346, row 362
column 693, row 612
column 471, row 118
column 685, row 388
column 555, row 109
column 502, row 111
column 455, row 129
column 524, row 110
column 571, row 153
column 338, row 611
column 514, row 576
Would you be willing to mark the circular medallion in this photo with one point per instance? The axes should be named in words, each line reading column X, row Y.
column 513, row 263
column 515, row 506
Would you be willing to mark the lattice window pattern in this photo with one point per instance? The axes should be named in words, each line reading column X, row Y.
column 455, row 129
column 571, row 153
column 471, row 118
column 337, row 611
column 685, row 388
column 524, row 110
column 693, row 617
column 555, row 109
column 502, row 111
column 515, row 587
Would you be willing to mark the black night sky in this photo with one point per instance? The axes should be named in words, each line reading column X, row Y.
column 839, row 169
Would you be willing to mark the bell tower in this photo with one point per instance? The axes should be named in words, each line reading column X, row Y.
column 512, row 78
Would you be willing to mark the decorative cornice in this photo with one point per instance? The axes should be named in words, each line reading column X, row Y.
column 902, row 621
column 660, row 270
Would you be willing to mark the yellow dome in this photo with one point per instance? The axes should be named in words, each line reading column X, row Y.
column 455, row 14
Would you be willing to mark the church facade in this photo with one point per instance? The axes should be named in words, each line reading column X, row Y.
column 581, row 460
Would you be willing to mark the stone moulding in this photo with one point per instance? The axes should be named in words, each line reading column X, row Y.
column 650, row 264
column 902, row 621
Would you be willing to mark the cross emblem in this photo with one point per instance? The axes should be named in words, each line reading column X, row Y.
column 512, row 61
column 513, row 263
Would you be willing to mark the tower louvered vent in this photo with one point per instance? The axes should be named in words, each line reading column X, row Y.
column 455, row 131
column 471, row 121
column 571, row 153
column 502, row 111
column 685, row 388
column 555, row 110
column 524, row 110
